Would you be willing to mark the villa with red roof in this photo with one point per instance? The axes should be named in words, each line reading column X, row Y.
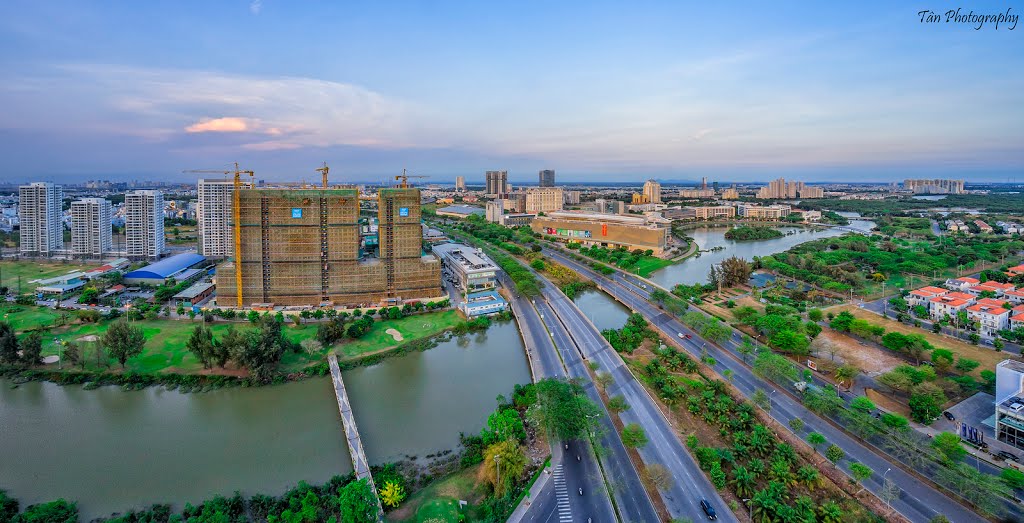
column 923, row 295
column 992, row 318
column 991, row 286
column 1015, row 271
column 1015, row 296
column 950, row 304
column 961, row 284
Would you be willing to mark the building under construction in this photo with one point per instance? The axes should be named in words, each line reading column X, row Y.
column 303, row 247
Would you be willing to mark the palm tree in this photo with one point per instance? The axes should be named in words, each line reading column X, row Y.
column 809, row 476
column 742, row 481
column 804, row 507
column 782, row 472
column 830, row 512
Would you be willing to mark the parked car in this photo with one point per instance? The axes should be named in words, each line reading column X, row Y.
column 949, row 415
column 708, row 509
column 1002, row 454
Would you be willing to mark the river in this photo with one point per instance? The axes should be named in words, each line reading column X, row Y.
column 695, row 269
column 111, row 450
column 604, row 312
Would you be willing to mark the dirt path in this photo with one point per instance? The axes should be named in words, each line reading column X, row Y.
column 870, row 359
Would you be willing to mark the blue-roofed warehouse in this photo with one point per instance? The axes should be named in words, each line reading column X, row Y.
column 178, row 267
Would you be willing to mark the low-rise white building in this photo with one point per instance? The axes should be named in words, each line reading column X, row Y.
column 469, row 268
column 949, row 304
column 991, row 318
column 961, row 284
column 924, row 295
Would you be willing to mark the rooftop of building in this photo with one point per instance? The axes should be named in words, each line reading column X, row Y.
column 596, row 216
column 1018, row 317
column 462, row 209
column 929, row 291
column 167, row 267
column 466, row 256
column 194, row 290
column 994, row 285
column 987, row 309
column 966, row 279
column 952, row 302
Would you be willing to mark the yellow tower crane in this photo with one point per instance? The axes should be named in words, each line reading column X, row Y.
column 324, row 170
column 405, row 179
column 236, row 214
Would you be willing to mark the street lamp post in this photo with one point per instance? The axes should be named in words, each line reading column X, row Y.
column 750, row 507
column 887, row 507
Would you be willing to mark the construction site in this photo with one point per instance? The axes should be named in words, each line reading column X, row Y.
column 306, row 247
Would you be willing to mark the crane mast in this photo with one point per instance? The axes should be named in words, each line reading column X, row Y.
column 236, row 214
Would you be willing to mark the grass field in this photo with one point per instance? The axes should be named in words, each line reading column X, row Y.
column 439, row 501
column 988, row 357
column 11, row 270
column 165, row 339
column 649, row 264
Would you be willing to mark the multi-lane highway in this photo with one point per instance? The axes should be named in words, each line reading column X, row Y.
column 918, row 501
column 572, row 468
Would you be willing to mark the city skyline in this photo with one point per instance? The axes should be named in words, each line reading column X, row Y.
column 811, row 93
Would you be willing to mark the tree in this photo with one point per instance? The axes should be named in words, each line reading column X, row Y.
column 123, row 341
column 897, row 381
column 895, row 421
column 633, row 436
column 8, row 344
column 735, row 271
column 617, row 404
column 860, row 472
column 791, row 342
column 32, row 349
column 89, row 295
column 965, row 365
column 659, row 476
column 761, row 400
column 846, row 373
column 200, row 344
column 356, row 503
column 949, row 445
column 59, row 511
column 815, row 315
column 926, row 402
column 231, row 346
column 262, row 349
column 563, row 410
column 604, row 379
column 504, row 425
column 862, row 404
column 943, row 359
column 834, row 453
column 392, row 494
column 73, row 355
column 503, row 464
column 796, row 424
column 1012, row 477
column 812, row 329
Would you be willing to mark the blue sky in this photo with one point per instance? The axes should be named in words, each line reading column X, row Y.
column 604, row 91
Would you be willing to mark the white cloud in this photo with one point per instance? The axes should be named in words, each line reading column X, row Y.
column 256, row 6
column 220, row 125
column 296, row 111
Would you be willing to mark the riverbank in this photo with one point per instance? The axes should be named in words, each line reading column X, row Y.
column 166, row 361
column 156, row 445
column 749, row 233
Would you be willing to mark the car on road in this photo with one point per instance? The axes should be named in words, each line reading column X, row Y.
column 684, row 336
column 949, row 415
column 708, row 509
column 1002, row 454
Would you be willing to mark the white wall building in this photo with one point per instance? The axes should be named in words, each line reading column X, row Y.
column 144, row 224
column 216, row 239
column 90, row 228
column 40, row 214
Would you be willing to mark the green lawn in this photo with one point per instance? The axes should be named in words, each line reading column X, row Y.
column 411, row 328
column 11, row 270
column 165, row 339
column 439, row 501
column 649, row 264
column 28, row 317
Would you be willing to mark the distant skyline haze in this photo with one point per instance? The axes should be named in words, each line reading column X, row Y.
column 597, row 91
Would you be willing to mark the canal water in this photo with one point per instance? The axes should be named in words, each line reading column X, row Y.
column 111, row 450
column 604, row 312
column 695, row 269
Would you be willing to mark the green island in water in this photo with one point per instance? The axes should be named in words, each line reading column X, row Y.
column 746, row 233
